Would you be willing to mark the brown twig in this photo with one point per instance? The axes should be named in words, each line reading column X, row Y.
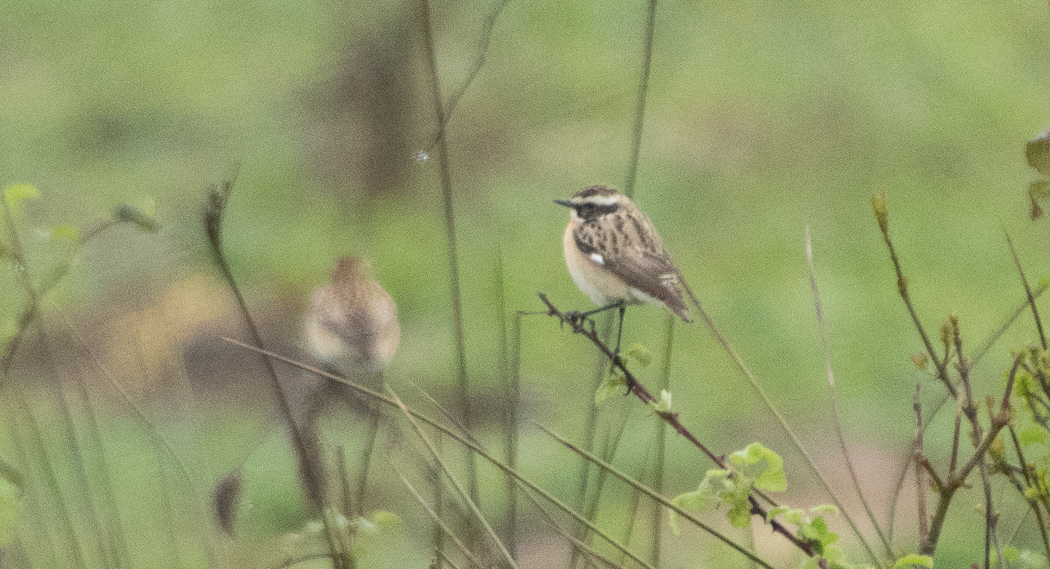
column 304, row 446
column 1031, row 501
column 636, row 388
column 920, row 462
column 881, row 216
column 1028, row 292
column 983, row 441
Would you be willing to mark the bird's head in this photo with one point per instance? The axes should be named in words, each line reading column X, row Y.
column 595, row 202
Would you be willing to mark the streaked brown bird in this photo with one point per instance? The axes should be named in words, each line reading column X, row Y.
column 352, row 322
column 616, row 256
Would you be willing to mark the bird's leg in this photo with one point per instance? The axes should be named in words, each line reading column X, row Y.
column 619, row 332
column 575, row 317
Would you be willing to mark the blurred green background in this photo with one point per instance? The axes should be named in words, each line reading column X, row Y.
column 762, row 119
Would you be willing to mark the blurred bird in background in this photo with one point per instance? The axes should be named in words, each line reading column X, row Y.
column 352, row 322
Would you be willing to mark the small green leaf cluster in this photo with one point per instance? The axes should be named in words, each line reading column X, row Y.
column 1032, row 387
column 615, row 380
column 1023, row 558
column 754, row 467
column 814, row 530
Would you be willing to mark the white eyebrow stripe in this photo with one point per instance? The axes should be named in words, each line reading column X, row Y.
column 598, row 200
column 597, row 258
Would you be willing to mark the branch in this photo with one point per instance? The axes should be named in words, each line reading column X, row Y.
column 636, row 388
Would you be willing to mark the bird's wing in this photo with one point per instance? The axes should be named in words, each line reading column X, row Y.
column 654, row 274
column 637, row 258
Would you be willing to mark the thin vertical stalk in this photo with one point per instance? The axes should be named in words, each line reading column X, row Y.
column 77, row 457
column 435, row 454
column 481, row 452
column 462, row 384
column 825, row 343
column 1028, row 292
column 661, row 443
column 920, row 479
column 639, row 107
column 511, row 433
column 590, row 434
column 75, row 549
column 310, row 469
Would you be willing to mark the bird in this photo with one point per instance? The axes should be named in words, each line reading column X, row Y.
column 351, row 326
column 352, row 321
column 617, row 258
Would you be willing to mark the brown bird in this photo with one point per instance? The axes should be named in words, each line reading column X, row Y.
column 352, row 321
column 616, row 257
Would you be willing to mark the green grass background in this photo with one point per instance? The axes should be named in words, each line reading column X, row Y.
column 762, row 119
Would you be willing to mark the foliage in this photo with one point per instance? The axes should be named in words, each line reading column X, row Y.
column 754, row 467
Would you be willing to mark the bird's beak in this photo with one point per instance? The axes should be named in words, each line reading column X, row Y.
column 565, row 203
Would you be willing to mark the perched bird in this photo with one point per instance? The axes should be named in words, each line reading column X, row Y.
column 616, row 257
column 352, row 321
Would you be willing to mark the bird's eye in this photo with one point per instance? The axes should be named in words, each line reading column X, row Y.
column 586, row 210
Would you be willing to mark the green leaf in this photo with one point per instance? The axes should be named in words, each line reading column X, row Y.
column 913, row 560
column 695, row 500
column 1031, row 435
column 774, row 512
column 662, row 405
column 736, row 493
column 639, row 353
column 771, row 477
column 740, row 515
column 15, row 194
column 609, row 388
column 817, row 530
column 714, row 483
column 1011, row 554
column 796, row 516
column 66, row 233
column 822, row 509
column 385, row 519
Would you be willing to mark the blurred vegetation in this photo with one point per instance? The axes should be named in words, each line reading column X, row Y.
column 762, row 119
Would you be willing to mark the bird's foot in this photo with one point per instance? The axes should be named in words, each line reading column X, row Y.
column 576, row 319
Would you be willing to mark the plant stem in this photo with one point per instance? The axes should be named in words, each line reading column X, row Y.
column 920, row 482
column 639, row 107
column 462, row 384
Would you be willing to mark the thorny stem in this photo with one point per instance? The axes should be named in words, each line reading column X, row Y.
column 636, row 388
